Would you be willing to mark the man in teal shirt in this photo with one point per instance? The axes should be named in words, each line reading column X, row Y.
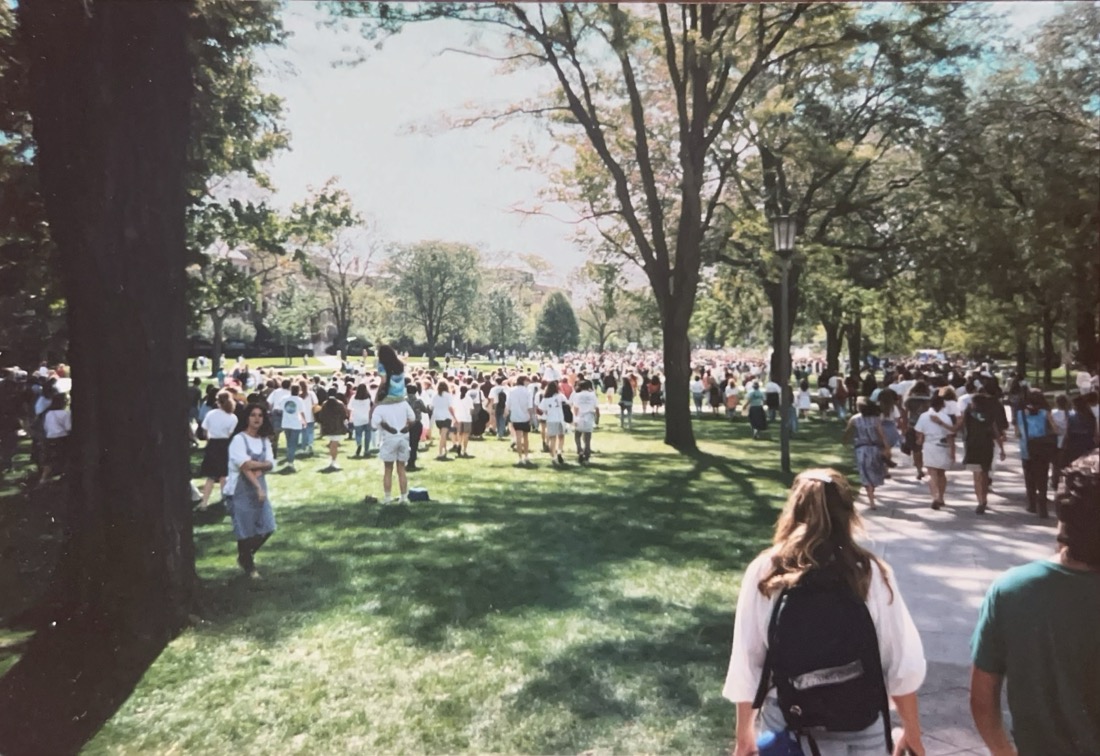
column 1039, row 628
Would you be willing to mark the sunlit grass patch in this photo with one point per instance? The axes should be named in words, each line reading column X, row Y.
column 518, row 611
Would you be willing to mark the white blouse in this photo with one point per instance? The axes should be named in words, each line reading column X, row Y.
column 898, row 640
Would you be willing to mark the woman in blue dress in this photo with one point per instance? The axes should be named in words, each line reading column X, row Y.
column 250, row 457
column 871, row 447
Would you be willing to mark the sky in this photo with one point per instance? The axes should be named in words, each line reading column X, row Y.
column 378, row 127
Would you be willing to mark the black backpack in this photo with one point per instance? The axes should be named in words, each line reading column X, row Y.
column 823, row 659
column 502, row 399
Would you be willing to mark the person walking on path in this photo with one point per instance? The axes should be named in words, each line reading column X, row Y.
column 250, row 457
column 586, row 413
column 982, row 431
column 553, row 416
column 626, row 402
column 1038, row 630
column 815, row 545
column 1038, row 445
column 517, row 411
column 754, row 402
column 934, row 430
column 443, row 415
column 359, row 408
column 294, row 423
column 871, row 447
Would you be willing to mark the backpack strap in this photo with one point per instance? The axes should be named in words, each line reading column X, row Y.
column 766, row 674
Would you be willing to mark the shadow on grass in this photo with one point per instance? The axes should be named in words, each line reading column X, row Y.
column 442, row 565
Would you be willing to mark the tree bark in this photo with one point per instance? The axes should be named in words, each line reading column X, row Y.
column 679, row 433
column 774, row 293
column 111, row 84
column 855, row 345
column 1050, row 359
column 833, row 339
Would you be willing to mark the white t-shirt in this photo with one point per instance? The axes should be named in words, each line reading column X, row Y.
column 239, row 449
column 360, row 411
column 585, row 405
column 899, row 643
column 441, row 408
column 219, row 424
column 293, row 407
column 932, row 431
column 771, row 388
column 494, row 392
column 551, row 408
column 276, row 398
column 474, row 395
column 397, row 416
column 308, row 402
column 518, row 406
column 696, row 386
column 464, row 409
column 58, row 423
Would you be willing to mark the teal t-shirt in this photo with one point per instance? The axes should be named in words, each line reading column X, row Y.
column 1040, row 627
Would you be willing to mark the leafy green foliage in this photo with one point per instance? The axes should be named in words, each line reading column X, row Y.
column 436, row 284
column 502, row 317
column 557, row 330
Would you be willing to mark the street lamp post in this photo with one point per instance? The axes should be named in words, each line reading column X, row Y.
column 784, row 229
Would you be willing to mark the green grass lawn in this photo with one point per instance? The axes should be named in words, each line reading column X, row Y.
column 521, row 611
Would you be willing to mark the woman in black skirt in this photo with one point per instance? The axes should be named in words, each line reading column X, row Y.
column 220, row 423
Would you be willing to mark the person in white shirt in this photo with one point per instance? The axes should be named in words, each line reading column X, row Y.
column 392, row 422
column 586, row 411
column 517, row 410
column 464, row 420
column 443, row 416
column 57, row 424
column 497, row 408
column 294, row 423
column 275, row 407
column 309, row 431
column 771, row 399
column 550, row 409
column 820, row 517
column 935, row 433
column 360, row 407
column 696, row 388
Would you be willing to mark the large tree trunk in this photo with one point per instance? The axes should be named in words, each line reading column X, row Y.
column 774, row 293
column 854, row 331
column 1021, row 350
column 1050, row 359
column 110, row 102
column 833, row 339
column 218, row 322
column 677, row 363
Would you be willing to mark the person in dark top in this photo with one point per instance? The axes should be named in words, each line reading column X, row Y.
column 980, row 420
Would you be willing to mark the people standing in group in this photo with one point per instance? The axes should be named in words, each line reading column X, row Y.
column 552, row 412
column 872, row 448
column 586, row 413
column 1037, row 631
column 333, row 417
column 1038, row 445
column 250, row 457
column 394, row 423
column 626, row 402
column 517, row 411
column 359, row 409
column 498, row 399
column 934, row 431
column 218, row 427
column 57, row 425
column 815, row 554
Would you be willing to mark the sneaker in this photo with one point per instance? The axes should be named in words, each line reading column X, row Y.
column 561, row 460
column 412, row 468
column 334, row 467
column 403, row 500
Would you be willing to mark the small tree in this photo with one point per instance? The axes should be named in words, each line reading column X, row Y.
column 219, row 289
column 502, row 318
column 436, row 284
column 557, row 329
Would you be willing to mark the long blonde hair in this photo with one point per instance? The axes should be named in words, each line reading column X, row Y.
column 816, row 530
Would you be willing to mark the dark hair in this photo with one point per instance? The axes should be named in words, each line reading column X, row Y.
column 59, row 401
column 1036, row 399
column 551, row 389
column 361, row 391
column 387, row 356
column 937, row 402
column 266, row 430
column 1078, row 505
column 442, row 388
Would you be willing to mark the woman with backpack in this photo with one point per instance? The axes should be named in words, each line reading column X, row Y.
column 822, row 636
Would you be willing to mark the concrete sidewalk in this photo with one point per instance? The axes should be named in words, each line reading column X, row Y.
column 944, row 561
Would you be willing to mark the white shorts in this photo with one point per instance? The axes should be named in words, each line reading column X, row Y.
column 584, row 426
column 334, row 439
column 555, row 429
column 395, row 447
